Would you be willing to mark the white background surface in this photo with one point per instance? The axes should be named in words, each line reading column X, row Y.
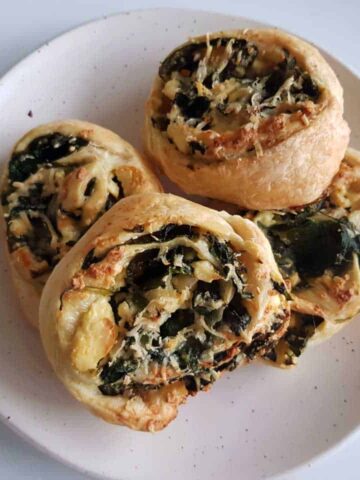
column 26, row 24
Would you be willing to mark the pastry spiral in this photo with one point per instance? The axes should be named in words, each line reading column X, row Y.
column 158, row 299
column 317, row 250
column 247, row 117
column 60, row 179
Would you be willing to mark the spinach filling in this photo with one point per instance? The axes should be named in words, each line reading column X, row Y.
column 177, row 322
column 188, row 343
column 293, row 343
column 187, row 59
column 307, row 243
column 31, row 203
column 226, row 82
column 42, row 151
column 310, row 243
column 166, row 233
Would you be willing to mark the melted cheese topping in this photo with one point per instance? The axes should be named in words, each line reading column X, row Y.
column 160, row 311
column 226, row 97
column 345, row 188
column 94, row 337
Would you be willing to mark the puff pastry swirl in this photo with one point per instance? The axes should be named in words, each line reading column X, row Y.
column 247, row 117
column 317, row 249
column 158, row 299
column 60, row 179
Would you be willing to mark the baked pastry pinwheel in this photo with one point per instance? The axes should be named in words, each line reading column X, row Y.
column 158, row 299
column 60, row 179
column 317, row 249
column 247, row 117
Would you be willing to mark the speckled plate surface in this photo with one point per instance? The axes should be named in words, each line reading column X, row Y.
column 257, row 421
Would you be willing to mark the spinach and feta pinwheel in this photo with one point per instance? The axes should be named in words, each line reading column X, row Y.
column 156, row 300
column 60, row 179
column 317, row 250
column 247, row 117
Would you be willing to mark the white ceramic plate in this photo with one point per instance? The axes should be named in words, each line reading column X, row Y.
column 257, row 421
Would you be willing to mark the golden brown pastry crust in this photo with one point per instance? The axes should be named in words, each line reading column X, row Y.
column 136, row 176
column 280, row 176
column 70, row 291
